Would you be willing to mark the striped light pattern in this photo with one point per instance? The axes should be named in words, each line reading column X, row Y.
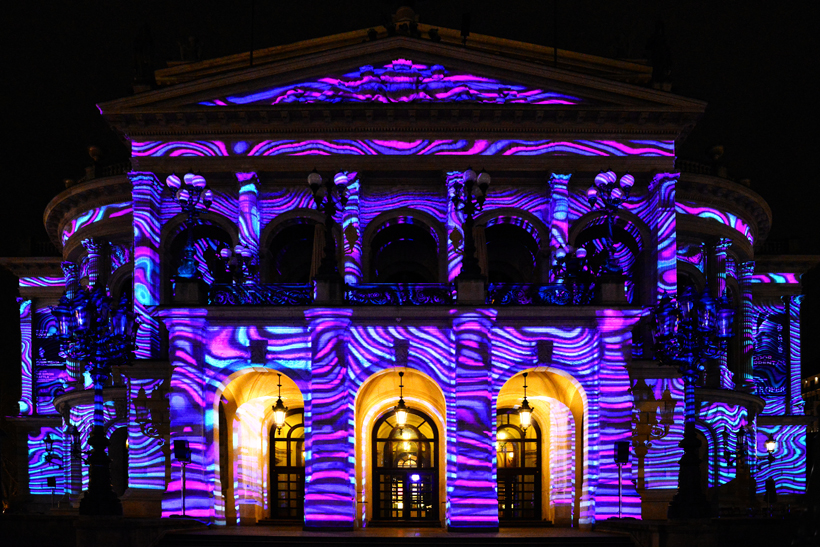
column 26, row 402
column 781, row 278
column 399, row 81
column 421, row 147
column 92, row 216
column 39, row 469
column 789, row 466
column 41, row 281
column 725, row 218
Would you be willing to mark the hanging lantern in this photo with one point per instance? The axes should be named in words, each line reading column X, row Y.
column 401, row 408
column 706, row 312
column 725, row 316
column 525, row 411
column 687, row 303
column 771, row 445
column 280, row 411
column 666, row 320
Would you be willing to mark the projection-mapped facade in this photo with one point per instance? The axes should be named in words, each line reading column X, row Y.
column 395, row 122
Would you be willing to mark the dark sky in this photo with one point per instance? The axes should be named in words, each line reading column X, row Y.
column 752, row 66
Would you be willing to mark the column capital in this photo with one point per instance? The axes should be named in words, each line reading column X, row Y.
column 723, row 244
column 747, row 269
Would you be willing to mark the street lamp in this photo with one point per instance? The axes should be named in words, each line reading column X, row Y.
column 525, row 411
column 94, row 333
column 687, row 333
column 330, row 196
column 771, row 447
column 611, row 192
column 280, row 411
column 469, row 196
column 241, row 262
column 651, row 421
column 190, row 192
column 401, row 408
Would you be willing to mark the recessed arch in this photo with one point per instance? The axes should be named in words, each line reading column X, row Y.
column 280, row 236
column 377, row 396
column 402, row 229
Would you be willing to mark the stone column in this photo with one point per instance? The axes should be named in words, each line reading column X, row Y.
column 248, row 220
column 794, row 401
column 455, row 233
column 97, row 250
column 472, row 481
column 662, row 197
column 352, row 233
column 719, row 376
column 188, row 411
column 746, row 321
column 330, row 474
column 559, row 215
column 145, row 196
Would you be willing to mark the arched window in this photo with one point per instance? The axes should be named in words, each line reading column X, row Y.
column 627, row 251
column 512, row 254
column 287, row 468
column 405, row 469
column 518, row 456
column 291, row 253
column 405, row 252
column 208, row 240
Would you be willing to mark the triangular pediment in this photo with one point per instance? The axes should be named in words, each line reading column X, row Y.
column 396, row 70
column 399, row 81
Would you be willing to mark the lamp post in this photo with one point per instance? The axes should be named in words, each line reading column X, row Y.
column 611, row 193
column 687, row 333
column 330, row 196
column 190, row 192
column 469, row 196
column 91, row 331
column 241, row 262
column 651, row 421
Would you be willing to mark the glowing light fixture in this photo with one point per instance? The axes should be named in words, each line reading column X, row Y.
column 279, row 410
column 525, row 412
column 401, row 408
column 771, row 445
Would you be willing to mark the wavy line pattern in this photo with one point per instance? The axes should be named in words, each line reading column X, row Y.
column 92, row 216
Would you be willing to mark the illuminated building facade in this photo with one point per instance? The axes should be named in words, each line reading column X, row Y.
column 395, row 122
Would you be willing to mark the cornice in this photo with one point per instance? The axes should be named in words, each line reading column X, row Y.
column 428, row 119
column 709, row 190
column 785, row 263
column 785, row 420
column 25, row 266
column 751, row 402
column 82, row 197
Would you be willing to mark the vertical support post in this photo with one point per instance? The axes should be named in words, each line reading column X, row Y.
column 794, row 401
column 473, row 497
column 559, row 215
column 26, row 402
column 455, row 232
column 717, row 285
column 97, row 263
column 330, row 474
column 145, row 197
column 744, row 379
column 351, row 232
column 662, row 192
column 248, row 220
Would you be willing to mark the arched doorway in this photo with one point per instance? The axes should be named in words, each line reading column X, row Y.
column 287, row 468
column 405, row 469
column 518, row 456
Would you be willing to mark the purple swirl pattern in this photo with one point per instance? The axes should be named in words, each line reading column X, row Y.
column 146, row 191
column 41, row 281
column 26, row 402
column 789, row 467
column 111, row 211
column 780, row 278
column 399, row 81
column 420, row 147
column 727, row 219
column 39, row 468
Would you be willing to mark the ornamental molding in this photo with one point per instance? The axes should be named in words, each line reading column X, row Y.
column 710, row 190
column 81, row 198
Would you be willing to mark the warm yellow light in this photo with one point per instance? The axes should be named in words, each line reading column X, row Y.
column 502, row 435
column 405, row 446
column 525, row 415
column 401, row 414
column 771, row 446
column 279, row 413
column 405, row 435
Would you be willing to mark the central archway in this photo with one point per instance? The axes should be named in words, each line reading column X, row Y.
column 405, row 469
column 518, row 456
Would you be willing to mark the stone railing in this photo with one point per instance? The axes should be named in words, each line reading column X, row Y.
column 254, row 294
column 524, row 294
column 400, row 294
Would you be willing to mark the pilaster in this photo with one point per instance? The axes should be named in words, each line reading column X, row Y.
column 248, row 211
column 330, row 488
column 744, row 379
column 664, row 232
column 352, row 233
column 145, row 195
column 559, row 215
column 472, row 478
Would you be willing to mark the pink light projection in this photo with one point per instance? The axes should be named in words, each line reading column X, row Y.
column 421, row 147
column 400, row 81
column 727, row 219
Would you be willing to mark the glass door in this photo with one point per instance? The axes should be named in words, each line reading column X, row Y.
column 287, row 468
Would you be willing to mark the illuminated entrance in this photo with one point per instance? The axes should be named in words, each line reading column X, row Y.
column 518, row 453
column 287, row 468
column 405, row 470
